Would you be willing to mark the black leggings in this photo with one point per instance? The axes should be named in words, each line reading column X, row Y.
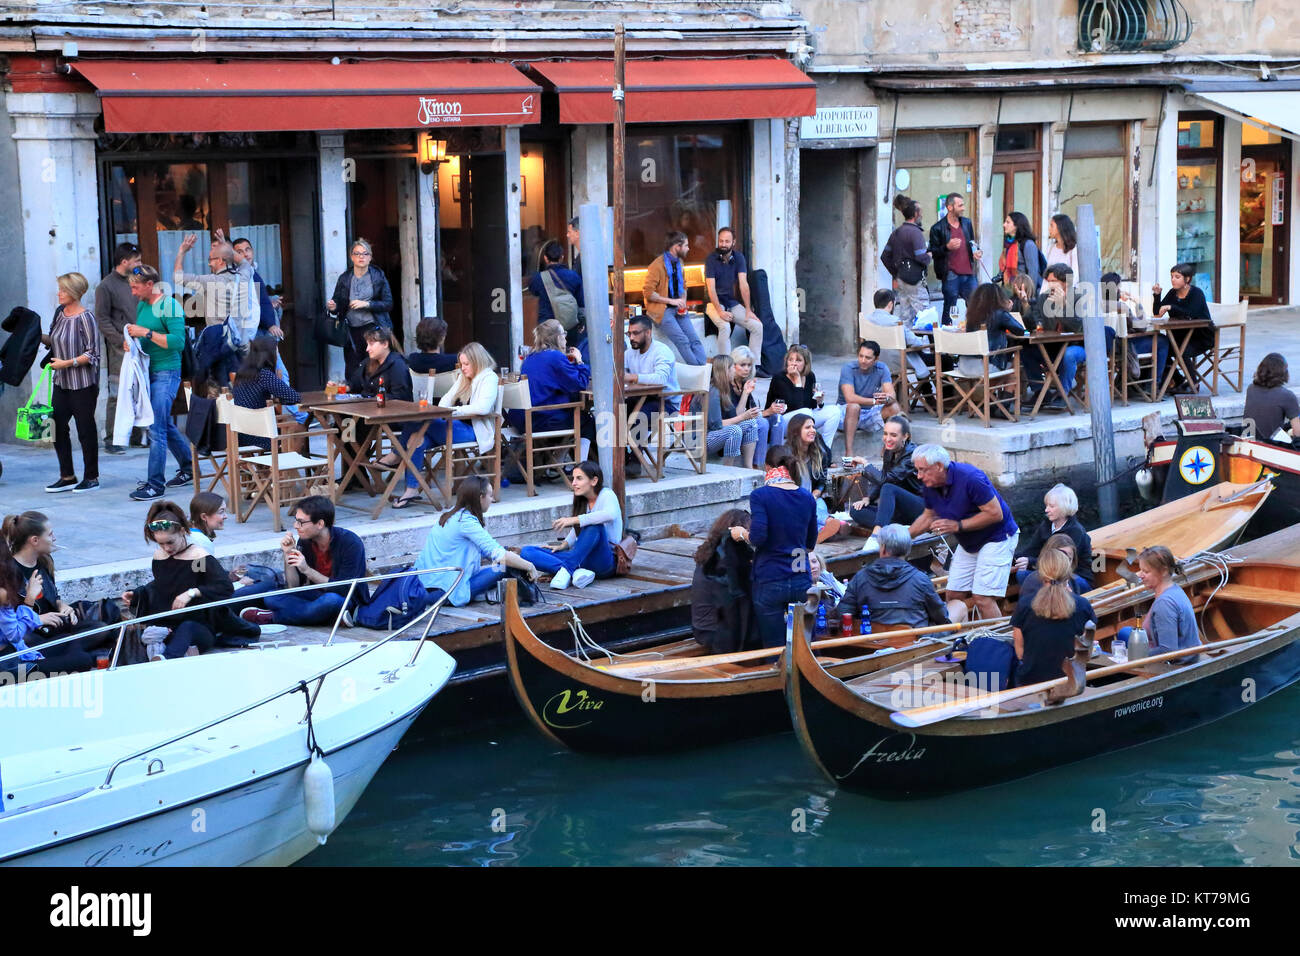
column 189, row 634
column 78, row 403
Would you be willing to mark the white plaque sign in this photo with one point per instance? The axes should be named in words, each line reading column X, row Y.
column 842, row 122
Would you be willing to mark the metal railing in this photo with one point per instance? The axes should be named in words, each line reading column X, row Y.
column 1126, row 26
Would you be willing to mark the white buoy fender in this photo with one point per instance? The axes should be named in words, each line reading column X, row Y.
column 1145, row 482
column 318, row 797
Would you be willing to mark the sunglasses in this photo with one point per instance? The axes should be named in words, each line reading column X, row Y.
column 162, row 524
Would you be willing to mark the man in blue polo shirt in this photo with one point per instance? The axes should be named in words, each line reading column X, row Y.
column 960, row 500
column 726, row 276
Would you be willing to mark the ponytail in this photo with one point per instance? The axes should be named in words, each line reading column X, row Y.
column 1054, row 601
column 18, row 528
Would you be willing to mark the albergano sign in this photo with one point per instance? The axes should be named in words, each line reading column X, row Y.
column 860, row 124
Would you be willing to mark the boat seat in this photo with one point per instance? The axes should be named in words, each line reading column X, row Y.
column 1258, row 595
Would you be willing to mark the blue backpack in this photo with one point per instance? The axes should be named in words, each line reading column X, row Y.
column 993, row 659
column 397, row 602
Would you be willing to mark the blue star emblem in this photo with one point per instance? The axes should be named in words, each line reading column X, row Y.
column 1196, row 465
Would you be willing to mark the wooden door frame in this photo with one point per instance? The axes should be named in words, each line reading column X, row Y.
column 1279, row 153
column 1009, row 164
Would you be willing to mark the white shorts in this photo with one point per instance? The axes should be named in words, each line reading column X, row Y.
column 985, row 572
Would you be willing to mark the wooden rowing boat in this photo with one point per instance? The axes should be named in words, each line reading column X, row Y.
column 1209, row 520
column 849, row 730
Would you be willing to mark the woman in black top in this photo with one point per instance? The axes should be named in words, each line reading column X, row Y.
column 1044, row 629
column 897, row 494
column 810, row 454
column 796, row 391
column 988, row 310
column 363, row 295
column 256, row 383
column 1031, row 581
column 1186, row 302
column 384, row 360
column 722, row 611
column 185, row 575
column 1060, row 508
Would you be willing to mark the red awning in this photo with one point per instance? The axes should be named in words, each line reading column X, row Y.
column 664, row 91
column 204, row 97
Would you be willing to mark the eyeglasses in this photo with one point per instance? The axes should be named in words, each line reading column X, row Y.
column 162, row 524
column 297, row 520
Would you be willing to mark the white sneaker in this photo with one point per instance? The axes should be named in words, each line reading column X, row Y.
column 561, row 579
column 582, row 577
column 872, row 546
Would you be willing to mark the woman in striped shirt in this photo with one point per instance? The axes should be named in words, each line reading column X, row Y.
column 73, row 342
column 256, row 383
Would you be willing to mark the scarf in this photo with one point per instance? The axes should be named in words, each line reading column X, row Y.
column 1010, row 259
column 676, row 276
column 776, row 475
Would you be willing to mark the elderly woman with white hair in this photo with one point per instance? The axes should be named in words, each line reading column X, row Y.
column 961, row 501
column 1060, row 505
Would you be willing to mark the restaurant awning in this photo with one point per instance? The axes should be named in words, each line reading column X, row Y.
column 170, row 96
column 1277, row 111
column 665, row 91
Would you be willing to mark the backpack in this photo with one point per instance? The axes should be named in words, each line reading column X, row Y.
column 397, row 602
column 993, row 660
column 563, row 304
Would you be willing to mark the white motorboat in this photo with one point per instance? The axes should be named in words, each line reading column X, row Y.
column 201, row 761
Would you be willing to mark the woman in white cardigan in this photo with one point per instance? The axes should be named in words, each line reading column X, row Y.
column 473, row 398
column 596, row 525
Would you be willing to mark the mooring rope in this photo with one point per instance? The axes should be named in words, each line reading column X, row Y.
column 584, row 646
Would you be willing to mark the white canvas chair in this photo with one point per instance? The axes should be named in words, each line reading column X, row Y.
column 278, row 477
column 685, row 431
column 1132, row 372
column 542, row 450
column 1229, row 345
column 911, row 386
column 466, row 459
column 978, row 395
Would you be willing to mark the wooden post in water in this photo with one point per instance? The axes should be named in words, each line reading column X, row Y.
column 1098, row 368
column 617, row 477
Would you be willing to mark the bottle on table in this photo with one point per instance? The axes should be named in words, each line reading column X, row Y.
column 864, row 625
column 381, row 396
column 821, row 619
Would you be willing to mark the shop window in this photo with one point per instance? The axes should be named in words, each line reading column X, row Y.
column 1093, row 171
column 682, row 181
column 1197, row 213
column 931, row 164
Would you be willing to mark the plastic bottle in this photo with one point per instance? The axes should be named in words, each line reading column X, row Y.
column 381, row 396
column 821, row 619
column 864, row 626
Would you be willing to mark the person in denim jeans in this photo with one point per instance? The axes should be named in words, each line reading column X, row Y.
column 160, row 323
column 955, row 253
column 665, row 299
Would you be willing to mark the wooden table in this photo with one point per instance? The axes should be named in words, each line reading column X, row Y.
column 378, row 424
column 1051, row 366
column 635, row 397
column 1179, row 332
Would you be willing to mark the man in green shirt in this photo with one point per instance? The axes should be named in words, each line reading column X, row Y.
column 160, row 324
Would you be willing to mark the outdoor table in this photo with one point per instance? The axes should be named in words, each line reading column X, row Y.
column 635, row 397
column 1045, row 342
column 378, row 424
column 1179, row 332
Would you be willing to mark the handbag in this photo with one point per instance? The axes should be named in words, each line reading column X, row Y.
column 36, row 418
column 336, row 329
column 526, row 590
column 625, row 552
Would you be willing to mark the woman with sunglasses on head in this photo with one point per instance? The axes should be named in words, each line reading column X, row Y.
column 185, row 575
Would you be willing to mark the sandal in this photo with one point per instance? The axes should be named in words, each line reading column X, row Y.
column 405, row 502
column 389, row 461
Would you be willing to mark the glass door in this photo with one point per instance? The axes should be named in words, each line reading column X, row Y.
column 1197, row 220
column 1264, row 214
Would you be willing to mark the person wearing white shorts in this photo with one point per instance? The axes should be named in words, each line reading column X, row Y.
column 960, row 500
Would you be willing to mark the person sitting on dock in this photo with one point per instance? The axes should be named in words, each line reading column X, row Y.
column 1044, row 629
column 594, row 528
column 1270, row 405
column 895, row 593
column 722, row 610
column 322, row 553
column 1171, row 622
column 1061, row 507
column 960, row 500
column 1032, row 580
column 897, row 490
column 458, row 539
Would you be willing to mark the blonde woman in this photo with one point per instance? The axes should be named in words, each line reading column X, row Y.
column 473, row 398
column 736, row 434
column 364, row 296
column 796, row 390
column 73, row 342
column 768, row 421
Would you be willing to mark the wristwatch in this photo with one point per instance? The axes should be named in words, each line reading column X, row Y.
column 193, row 593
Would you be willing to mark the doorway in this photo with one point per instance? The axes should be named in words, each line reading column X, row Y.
column 1265, row 213
column 1013, row 186
column 830, row 247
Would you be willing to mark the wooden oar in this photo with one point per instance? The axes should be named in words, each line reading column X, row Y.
column 639, row 669
column 936, row 713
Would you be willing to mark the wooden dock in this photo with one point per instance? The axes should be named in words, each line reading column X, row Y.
column 651, row 602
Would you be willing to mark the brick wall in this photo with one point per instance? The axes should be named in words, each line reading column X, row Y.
column 984, row 24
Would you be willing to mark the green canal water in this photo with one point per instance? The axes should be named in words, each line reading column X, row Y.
column 501, row 795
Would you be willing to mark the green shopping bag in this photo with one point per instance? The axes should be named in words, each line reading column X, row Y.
column 36, row 419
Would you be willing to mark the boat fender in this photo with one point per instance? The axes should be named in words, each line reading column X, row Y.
column 318, row 796
column 1146, row 483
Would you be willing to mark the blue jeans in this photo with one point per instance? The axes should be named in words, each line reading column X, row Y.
column 955, row 286
column 681, row 333
column 163, row 433
column 1074, row 357
column 895, row 505
column 771, row 599
column 591, row 551
column 434, row 435
column 479, row 583
column 292, row 609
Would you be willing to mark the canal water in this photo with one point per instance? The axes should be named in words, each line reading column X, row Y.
column 500, row 794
